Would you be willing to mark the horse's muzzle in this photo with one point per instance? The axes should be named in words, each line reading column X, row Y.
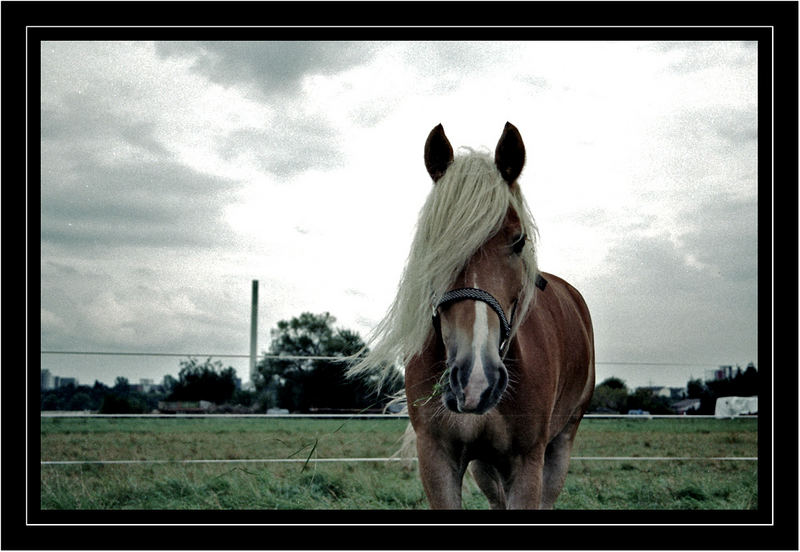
column 475, row 388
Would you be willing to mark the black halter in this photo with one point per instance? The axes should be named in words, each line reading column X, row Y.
column 476, row 294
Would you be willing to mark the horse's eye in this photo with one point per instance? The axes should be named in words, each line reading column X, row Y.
column 519, row 243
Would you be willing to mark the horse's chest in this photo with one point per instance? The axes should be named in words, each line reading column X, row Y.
column 483, row 435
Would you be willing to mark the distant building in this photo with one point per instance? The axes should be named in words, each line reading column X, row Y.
column 65, row 382
column 47, row 380
column 146, row 384
column 673, row 393
column 684, row 406
column 721, row 373
column 678, row 393
column 659, row 391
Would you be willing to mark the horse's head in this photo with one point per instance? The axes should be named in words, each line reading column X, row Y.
column 475, row 316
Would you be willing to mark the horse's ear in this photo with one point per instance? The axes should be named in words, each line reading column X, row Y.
column 510, row 153
column 438, row 153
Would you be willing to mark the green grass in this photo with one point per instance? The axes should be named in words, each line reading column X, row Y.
column 594, row 485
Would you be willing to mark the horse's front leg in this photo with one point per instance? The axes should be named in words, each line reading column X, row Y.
column 524, row 488
column 556, row 465
column 441, row 474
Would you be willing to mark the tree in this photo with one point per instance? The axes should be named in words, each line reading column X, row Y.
column 121, row 386
column 614, row 383
column 644, row 399
column 208, row 381
column 306, row 383
column 81, row 400
column 71, row 397
column 114, row 403
column 695, row 389
column 168, row 383
column 121, row 399
column 748, row 383
column 244, row 397
column 610, row 396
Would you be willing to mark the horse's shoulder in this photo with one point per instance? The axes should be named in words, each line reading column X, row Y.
column 559, row 291
column 560, row 285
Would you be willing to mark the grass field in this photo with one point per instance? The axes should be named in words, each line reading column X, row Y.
column 591, row 484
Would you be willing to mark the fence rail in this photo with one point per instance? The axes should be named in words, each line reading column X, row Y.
column 390, row 459
column 365, row 416
column 82, row 414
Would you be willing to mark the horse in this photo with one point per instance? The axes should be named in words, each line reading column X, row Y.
column 498, row 357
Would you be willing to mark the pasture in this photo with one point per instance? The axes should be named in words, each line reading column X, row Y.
column 307, row 483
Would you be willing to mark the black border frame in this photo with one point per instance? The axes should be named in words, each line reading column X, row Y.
column 773, row 24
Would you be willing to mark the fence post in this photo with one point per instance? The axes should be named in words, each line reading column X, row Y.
column 253, row 330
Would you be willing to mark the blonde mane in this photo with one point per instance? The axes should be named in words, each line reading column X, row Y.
column 464, row 209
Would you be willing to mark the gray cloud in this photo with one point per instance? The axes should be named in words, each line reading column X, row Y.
column 151, row 205
column 274, row 73
column 697, row 56
column 107, row 181
column 725, row 240
column 738, row 126
column 293, row 145
column 272, row 67
column 101, row 309
column 79, row 120
column 690, row 299
column 732, row 126
column 449, row 63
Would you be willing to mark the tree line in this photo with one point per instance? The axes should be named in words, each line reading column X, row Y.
column 318, row 382
column 613, row 396
column 296, row 385
column 197, row 381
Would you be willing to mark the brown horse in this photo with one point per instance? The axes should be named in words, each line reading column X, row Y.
column 500, row 379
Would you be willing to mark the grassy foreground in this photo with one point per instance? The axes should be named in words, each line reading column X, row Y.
column 591, row 484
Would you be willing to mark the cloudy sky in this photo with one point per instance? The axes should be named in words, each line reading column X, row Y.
column 173, row 174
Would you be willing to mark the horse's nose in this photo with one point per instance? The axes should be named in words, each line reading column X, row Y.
column 476, row 385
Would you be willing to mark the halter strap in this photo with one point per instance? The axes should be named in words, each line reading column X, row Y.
column 541, row 283
column 476, row 294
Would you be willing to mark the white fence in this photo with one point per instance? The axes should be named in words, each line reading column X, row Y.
column 71, row 414
column 85, row 415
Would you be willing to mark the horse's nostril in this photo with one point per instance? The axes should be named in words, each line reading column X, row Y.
column 456, row 372
column 502, row 378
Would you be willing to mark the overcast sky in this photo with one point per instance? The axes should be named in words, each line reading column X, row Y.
column 173, row 174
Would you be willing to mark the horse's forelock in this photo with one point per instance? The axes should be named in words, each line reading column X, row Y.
column 465, row 207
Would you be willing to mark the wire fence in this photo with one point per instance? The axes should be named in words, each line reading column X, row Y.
column 331, row 358
column 340, row 359
column 85, row 415
column 386, row 416
column 389, row 459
